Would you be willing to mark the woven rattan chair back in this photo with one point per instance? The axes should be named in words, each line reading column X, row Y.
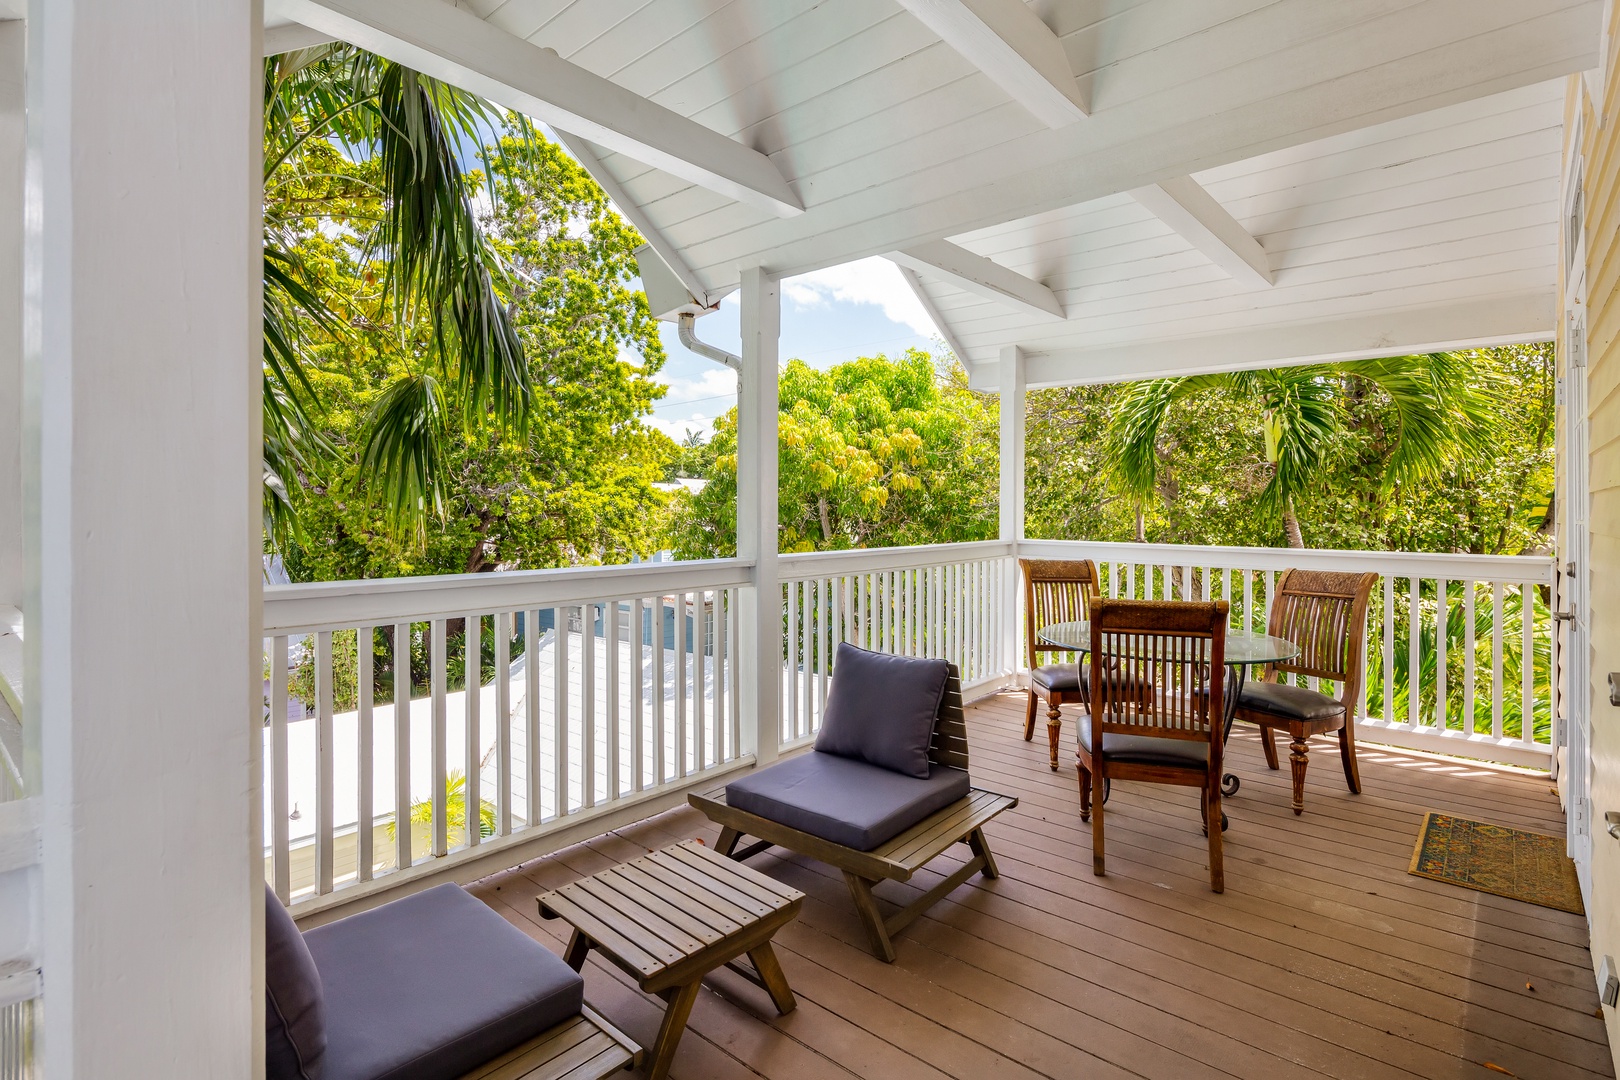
column 1166, row 675
column 1324, row 612
column 1055, row 590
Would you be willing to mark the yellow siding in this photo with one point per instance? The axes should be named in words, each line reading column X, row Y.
column 1602, row 162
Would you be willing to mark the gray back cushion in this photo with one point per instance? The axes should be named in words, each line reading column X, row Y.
column 881, row 709
column 295, row 1011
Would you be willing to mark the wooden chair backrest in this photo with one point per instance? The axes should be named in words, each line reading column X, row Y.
column 1055, row 590
column 1324, row 612
column 1167, row 675
column 949, row 746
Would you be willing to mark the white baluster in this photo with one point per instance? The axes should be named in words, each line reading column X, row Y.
column 280, row 839
column 472, row 695
column 366, row 763
column 440, row 751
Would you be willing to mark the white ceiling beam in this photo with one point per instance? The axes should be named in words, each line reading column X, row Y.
column 1010, row 44
column 1184, row 205
column 585, row 154
column 1465, row 324
column 981, row 276
column 933, row 311
column 458, row 47
column 289, row 37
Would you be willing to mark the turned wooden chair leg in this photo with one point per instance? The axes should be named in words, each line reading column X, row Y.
column 1029, row 715
column 1268, row 743
column 1298, row 759
column 1054, row 729
column 1347, row 754
column 1097, row 866
column 1085, row 791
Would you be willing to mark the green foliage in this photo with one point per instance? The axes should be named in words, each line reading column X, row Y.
column 455, row 816
column 873, row 453
column 573, row 485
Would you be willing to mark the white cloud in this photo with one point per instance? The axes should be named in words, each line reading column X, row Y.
column 676, row 427
column 866, row 281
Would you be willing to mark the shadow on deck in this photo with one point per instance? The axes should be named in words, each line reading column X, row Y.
column 1323, row 958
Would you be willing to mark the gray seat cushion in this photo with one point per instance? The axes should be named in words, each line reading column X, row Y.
column 1289, row 702
column 430, row 986
column 843, row 801
column 881, row 709
column 1060, row 677
column 1145, row 750
column 294, row 1007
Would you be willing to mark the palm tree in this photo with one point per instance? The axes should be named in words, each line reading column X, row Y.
column 1442, row 404
column 439, row 269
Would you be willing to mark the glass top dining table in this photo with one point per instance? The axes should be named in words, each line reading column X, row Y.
column 1242, row 651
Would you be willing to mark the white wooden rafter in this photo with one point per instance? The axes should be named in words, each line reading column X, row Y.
column 933, row 311
column 289, row 37
column 1007, row 41
column 586, row 155
column 981, row 276
column 458, row 47
column 1182, row 203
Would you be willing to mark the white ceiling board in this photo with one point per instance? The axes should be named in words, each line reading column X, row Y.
column 1300, row 91
column 1404, row 216
column 1527, row 315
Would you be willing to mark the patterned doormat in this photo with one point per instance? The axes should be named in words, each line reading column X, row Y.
column 1496, row 859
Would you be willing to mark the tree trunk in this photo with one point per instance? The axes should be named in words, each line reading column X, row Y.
column 1296, row 539
column 1141, row 524
column 826, row 518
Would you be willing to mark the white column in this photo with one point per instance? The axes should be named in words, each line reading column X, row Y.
column 760, row 648
column 1013, row 395
column 142, row 345
column 13, row 37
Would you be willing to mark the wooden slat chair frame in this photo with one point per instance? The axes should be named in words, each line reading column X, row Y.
column 1324, row 612
column 894, row 860
column 583, row 1047
column 1055, row 590
column 1165, row 679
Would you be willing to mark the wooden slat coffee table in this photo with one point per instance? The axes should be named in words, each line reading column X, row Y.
column 668, row 919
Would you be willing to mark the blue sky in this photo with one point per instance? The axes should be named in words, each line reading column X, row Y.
column 828, row 316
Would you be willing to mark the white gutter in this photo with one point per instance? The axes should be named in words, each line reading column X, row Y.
column 684, row 323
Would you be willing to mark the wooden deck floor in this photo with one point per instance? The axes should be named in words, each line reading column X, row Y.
column 1323, row 957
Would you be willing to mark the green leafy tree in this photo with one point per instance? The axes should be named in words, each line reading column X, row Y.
column 872, row 453
column 351, row 139
column 575, row 483
column 1441, row 408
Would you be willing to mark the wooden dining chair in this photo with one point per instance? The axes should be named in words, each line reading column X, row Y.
column 1155, row 711
column 1055, row 590
column 1325, row 613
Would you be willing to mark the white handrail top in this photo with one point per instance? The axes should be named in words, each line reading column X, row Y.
column 337, row 605
column 1531, row 569
column 806, row 564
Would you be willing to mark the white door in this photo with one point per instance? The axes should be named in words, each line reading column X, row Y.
column 1572, row 605
column 1576, row 590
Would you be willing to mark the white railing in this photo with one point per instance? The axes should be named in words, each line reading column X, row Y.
column 955, row 601
column 1466, row 689
column 519, row 703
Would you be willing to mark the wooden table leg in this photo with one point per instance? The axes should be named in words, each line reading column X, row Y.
column 579, row 946
column 681, row 999
column 770, row 973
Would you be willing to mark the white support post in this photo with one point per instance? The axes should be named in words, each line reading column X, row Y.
column 1014, row 393
column 759, row 645
column 142, row 474
column 13, row 138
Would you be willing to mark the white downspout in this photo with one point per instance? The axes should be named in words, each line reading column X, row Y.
column 684, row 323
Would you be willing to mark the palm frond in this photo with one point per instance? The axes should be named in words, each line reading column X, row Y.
column 439, row 260
column 1138, row 419
column 1300, row 414
column 403, row 452
column 1444, row 406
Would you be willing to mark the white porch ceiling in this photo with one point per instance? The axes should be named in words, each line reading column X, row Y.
column 1429, row 230
column 893, row 139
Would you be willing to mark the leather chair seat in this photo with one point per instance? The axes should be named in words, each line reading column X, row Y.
column 1289, row 702
column 1064, row 678
column 1146, row 749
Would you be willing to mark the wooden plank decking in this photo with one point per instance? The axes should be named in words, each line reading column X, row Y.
column 1323, row 958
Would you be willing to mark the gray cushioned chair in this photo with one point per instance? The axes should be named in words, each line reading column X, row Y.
column 874, row 823
column 433, row 986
